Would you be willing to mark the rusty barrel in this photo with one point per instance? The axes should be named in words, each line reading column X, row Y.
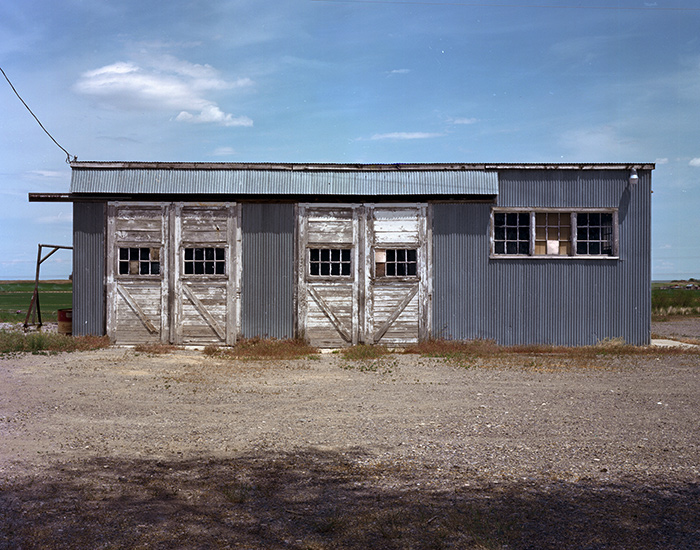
column 65, row 321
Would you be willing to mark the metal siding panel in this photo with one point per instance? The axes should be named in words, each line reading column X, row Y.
column 282, row 182
column 88, row 269
column 461, row 289
column 267, row 306
column 565, row 302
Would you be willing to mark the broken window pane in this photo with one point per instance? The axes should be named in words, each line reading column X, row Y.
column 553, row 233
column 139, row 261
column 396, row 262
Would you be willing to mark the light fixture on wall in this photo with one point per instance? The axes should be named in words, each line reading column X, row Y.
column 634, row 178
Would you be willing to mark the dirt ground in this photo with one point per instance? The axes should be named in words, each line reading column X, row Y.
column 119, row 449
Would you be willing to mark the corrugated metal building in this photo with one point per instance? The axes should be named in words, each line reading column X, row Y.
column 341, row 254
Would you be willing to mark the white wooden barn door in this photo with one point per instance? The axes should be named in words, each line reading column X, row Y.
column 397, row 275
column 328, row 295
column 137, row 283
column 172, row 273
column 204, row 289
column 363, row 274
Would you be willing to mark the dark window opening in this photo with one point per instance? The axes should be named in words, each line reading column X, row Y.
column 205, row 261
column 594, row 234
column 511, row 232
column 139, row 261
column 395, row 262
column 330, row 262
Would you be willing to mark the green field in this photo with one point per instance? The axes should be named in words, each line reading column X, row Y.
column 15, row 297
column 675, row 298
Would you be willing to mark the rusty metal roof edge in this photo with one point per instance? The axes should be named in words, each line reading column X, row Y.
column 330, row 167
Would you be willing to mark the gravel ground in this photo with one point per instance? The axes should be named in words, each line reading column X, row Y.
column 116, row 449
column 677, row 328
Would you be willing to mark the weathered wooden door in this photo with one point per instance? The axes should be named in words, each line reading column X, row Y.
column 363, row 274
column 205, row 267
column 172, row 274
column 136, row 279
column 397, row 294
column 329, row 277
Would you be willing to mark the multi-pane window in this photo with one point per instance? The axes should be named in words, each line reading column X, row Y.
column 395, row 262
column 139, row 261
column 205, row 261
column 330, row 262
column 554, row 233
column 511, row 232
column 594, row 233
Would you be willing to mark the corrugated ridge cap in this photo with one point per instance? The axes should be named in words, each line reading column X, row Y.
column 337, row 167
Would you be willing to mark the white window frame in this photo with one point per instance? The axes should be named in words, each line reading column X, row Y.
column 573, row 233
column 136, row 276
column 193, row 246
column 329, row 277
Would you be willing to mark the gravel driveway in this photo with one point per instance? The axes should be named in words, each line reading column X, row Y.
column 116, row 449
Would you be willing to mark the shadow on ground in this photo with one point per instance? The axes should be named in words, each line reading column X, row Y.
column 321, row 500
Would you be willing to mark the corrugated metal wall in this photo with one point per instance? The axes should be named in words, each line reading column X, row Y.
column 565, row 302
column 88, row 268
column 267, row 299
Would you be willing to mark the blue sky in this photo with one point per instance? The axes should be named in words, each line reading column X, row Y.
column 355, row 81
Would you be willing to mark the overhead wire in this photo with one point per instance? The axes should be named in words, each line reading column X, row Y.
column 68, row 155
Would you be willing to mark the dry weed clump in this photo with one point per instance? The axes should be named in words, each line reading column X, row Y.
column 263, row 349
column 48, row 342
column 486, row 353
column 362, row 352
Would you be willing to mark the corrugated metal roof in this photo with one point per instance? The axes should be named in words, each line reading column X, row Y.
column 277, row 182
column 145, row 180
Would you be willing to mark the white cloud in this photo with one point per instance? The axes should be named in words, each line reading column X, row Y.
column 695, row 162
column 405, row 135
column 163, row 83
column 400, row 71
column 465, row 121
column 212, row 113
column 224, row 152
column 662, row 160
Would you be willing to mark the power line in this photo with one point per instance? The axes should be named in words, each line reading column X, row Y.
column 482, row 5
column 37, row 119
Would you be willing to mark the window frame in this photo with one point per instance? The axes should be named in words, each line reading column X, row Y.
column 573, row 255
column 330, row 277
column 139, row 276
column 396, row 278
column 192, row 246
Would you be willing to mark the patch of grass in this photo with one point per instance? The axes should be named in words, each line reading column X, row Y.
column 675, row 301
column 264, row 349
column 363, row 352
column 368, row 359
column 36, row 342
column 155, row 348
column 15, row 297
